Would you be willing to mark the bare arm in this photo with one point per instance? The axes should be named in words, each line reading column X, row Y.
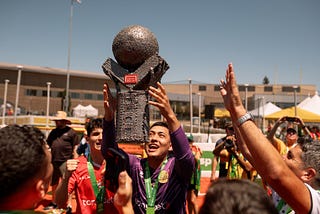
column 61, row 194
column 303, row 126
column 271, row 136
column 214, row 168
column 269, row 165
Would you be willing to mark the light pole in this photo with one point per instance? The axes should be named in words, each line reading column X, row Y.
column 5, row 101
column 295, row 87
column 246, row 96
column 191, row 109
column 17, row 92
column 199, row 105
column 66, row 100
column 48, row 104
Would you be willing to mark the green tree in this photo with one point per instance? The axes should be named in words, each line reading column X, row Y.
column 265, row 80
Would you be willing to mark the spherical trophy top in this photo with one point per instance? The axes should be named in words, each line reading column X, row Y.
column 133, row 45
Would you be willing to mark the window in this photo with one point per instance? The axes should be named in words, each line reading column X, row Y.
column 60, row 94
column 268, row 88
column 99, row 96
column 31, row 92
column 88, row 96
column 202, row 88
column 217, row 88
column 75, row 95
column 290, row 89
column 250, row 88
column 54, row 93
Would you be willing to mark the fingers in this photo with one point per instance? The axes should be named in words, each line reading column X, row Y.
column 106, row 94
column 124, row 192
column 72, row 164
column 109, row 103
column 159, row 94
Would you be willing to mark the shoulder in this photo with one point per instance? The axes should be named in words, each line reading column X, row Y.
column 82, row 161
column 315, row 198
column 70, row 129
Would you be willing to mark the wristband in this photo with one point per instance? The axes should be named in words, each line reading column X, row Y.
column 244, row 118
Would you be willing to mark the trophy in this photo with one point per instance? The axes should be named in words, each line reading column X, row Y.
column 137, row 66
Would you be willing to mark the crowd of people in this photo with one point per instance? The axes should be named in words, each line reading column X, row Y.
column 167, row 180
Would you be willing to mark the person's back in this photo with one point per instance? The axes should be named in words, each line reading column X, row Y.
column 25, row 167
column 236, row 196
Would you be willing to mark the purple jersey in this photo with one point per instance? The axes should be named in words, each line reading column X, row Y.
column 174, row 179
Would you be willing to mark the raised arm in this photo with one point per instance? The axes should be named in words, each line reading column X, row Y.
column 266, row 159
column 180, row 145
column 271, row 135
column 61, row 193
column 108, row 138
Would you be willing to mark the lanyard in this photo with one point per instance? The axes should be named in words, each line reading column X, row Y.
column 152, row 191
column 98, row 192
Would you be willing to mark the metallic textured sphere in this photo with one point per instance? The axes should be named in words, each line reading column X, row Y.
column 133, row 45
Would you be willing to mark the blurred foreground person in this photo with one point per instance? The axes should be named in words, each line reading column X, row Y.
column 229, row 196
column 25, row 168
column 295, row 177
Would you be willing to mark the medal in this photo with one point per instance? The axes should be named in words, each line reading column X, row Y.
column 163, row 176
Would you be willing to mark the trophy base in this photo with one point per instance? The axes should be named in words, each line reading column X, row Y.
column 132, row 124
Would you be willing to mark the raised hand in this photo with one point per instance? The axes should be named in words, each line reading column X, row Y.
column 109, row 103
column 122, row 198
column 71, row 166
column 163, row 104
column 230, row 94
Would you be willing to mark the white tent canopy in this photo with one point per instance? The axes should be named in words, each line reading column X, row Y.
column 266, row 109
column 304, row 102
column 313, row 104
column 91, row 111
column 85, row 111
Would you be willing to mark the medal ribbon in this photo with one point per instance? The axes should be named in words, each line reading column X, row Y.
column 152, row 191
column 98, row 192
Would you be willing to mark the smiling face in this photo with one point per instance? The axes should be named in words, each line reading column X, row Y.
column 159, row 142
column 95, row 140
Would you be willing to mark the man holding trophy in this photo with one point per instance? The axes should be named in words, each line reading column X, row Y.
column 159, row 181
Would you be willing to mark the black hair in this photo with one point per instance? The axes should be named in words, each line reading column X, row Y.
column 22, row 156
column 93, row 124
column 237, row 196
column 160, row 123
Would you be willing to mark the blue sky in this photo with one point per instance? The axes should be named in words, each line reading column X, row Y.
column 275, row 38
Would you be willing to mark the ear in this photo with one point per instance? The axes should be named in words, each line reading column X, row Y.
column 308, row 175
column 41, row 190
